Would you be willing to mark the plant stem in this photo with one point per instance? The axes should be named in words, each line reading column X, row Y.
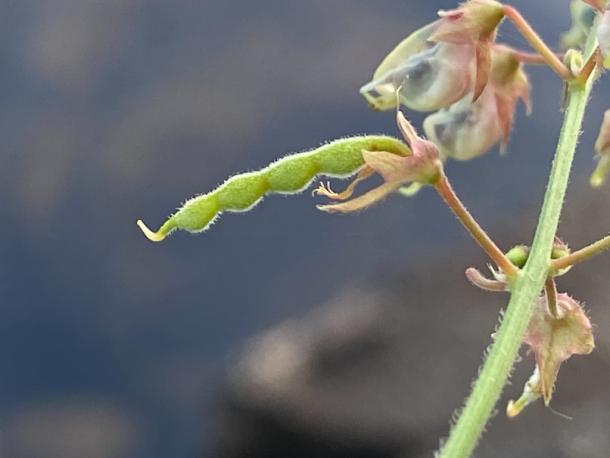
column 537, row 43
column 443, row 187
column 530, row 58
column 582, row 255
column 525, row 290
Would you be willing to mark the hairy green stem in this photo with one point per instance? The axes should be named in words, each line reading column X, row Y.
column 445, row 190
column 525, row 290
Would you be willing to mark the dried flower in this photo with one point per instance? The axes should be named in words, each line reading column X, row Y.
column 474, row 22
column 421, row 74
column 554, row 340
column 440, row 63
column 469, row 129
column 465, row 130
column 602, row 149
column 510, row 84
column 422, row 166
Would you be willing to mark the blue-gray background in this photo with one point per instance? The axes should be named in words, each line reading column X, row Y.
column 112, row 110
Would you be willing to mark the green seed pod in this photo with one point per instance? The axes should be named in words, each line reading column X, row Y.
column 289, row 175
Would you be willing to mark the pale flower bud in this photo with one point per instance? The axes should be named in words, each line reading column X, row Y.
column 603, row 36
column 422, row 75
column 602, row 148
column 582, row 20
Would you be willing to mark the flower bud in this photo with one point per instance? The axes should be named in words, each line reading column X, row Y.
column 602, row 148
column 421, row 74
column 560, row 250
column 603, row 36
column 582, row 21
column 519, row 254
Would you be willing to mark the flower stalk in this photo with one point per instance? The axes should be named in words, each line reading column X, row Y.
column 445, row 190
column 582, row 255
column 537, row 43
column 528, row 283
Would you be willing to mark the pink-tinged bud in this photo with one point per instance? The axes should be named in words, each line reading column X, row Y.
column 603, row 36
column 553, row 340
column 602, row 148
column 583, row 17
column 469, row 129
column 421, row 74
column 597, row 4
column 474, row 22
column 423, row 166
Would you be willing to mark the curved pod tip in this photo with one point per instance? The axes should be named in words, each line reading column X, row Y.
column 150, row 235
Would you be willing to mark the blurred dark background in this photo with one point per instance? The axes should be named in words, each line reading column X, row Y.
column 284, row 332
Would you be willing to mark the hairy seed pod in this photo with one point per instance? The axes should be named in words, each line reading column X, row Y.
column 289, row 175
